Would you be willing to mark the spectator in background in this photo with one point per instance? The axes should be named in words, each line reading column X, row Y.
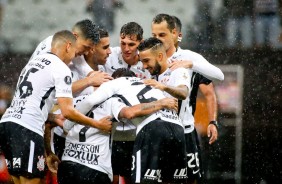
column 267, row 23
column 239, row 23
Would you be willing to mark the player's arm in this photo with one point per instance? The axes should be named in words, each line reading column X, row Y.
column 148, row 108
column 94, row 78
column 200, row 65
column 70, row 113
column 180, row 92
column 211, row 101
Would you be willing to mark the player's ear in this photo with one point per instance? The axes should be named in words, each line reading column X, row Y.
column 68, row 46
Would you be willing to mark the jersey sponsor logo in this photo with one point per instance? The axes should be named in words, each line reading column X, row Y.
column 17, row 163
column 41, row 163
column 153, row 174
column 180, row 173
column 67, row 80
column 84, row 153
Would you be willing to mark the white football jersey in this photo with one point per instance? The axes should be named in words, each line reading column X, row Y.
column 41, row 81
column 89, row 146
column 115, row 61
column 200, row 64
column 180, row 76
column 132, row 91
column 79, row 67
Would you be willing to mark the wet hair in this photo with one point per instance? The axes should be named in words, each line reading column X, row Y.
column 178, row 24
column 150, row 43
column 132, row 29
column 123, row 72
column 88, row 30
column 165, row 17
column 103, row 33
column 63, row 36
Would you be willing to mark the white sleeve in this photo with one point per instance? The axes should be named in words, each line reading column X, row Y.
column 81, row 66
column 117, row 105
column 105, row 91
column 180, row 76
column 202, row 66
column 63, row 81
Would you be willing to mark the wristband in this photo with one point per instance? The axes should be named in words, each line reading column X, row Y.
column 214, row 123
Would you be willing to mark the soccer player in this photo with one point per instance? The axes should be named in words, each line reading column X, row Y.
column 87, row 149
column 159, row 148
column 125, row 56
column 45, row 79
column 163, row 27
column 98, row 55
column 206, row 87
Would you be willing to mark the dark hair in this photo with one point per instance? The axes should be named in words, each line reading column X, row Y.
column 103, row 33
column 88, row 30
column 62, row 36
column 149, row 43
column 132, row 29
column 178, row 24
column 123, row 72
column 165, row 17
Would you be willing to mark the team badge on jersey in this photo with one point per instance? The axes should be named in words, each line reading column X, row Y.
column 68, row 80
column 41, row 163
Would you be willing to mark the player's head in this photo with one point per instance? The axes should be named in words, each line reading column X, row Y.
column 163, row 28
column 152, row 53
column 178, row 27
column 101, row 50
column 123, row 72
column 64, row 45
column 87, row 34
column 131, row 34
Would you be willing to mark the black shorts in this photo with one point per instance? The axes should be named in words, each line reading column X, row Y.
column 23, row 149
column 159, row 153
column 59, row 145
column 122, row 157
column 74, row 173
column 193, row 155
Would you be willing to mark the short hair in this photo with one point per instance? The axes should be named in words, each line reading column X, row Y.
column 63, row 36
column 103, row 33
column 165, row 17
column 132, row 29
column 88, row 30
column 150, row 43
column 178, row 24
column 123, row 72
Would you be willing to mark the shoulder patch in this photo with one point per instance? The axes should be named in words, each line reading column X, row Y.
column 68, row 80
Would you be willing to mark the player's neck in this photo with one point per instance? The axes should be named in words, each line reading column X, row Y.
column 170, row 51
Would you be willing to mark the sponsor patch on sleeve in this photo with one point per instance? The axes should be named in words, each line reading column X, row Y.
column 68, row 80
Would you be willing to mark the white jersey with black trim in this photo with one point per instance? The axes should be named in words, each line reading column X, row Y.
column 200, row 64
column 90, row 146
column 115, row 61
column 180, row 76
column 78, row 66
column 132, row 91
column 41, row 81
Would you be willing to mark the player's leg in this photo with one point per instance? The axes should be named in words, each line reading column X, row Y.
column 24, row 152
column 194, row 169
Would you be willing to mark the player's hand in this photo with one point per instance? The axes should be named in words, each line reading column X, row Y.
column 154, row 83
column 180, row 64
column 212, row 133
column 56, row 119
column 169, row 103
column 96, row 78
column 105, row 124
column 53, row 161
